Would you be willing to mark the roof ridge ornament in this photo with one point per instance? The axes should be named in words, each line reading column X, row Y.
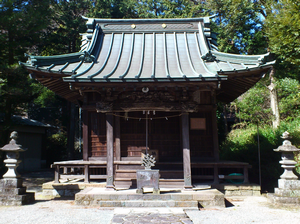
column 209, row 57
column 87, row 57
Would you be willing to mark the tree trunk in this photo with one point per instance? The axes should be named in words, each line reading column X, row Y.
column 274, row 100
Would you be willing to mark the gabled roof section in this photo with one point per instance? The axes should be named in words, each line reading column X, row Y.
column 148, row 50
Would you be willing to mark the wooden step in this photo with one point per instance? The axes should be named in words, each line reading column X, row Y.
column 125, row 174
column 171, row 183
column 164, row 174
column 163, row 183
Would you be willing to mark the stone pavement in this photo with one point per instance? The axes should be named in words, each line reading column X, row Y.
column 150, row 215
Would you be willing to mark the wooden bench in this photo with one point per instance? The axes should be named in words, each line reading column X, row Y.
column 84, row 165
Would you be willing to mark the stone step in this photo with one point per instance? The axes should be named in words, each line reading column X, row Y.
column 167, row 198
column 140, row 203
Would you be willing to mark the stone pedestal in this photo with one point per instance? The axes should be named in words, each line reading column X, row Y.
column 12, row 192
column 147, row 178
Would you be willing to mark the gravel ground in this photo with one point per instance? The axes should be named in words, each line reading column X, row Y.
column 240, row 210
column 55, row 212
column 243, row 210
column 247, row 210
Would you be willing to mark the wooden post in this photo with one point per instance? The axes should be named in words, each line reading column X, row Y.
column 85, row 135
column 186, row 152
column 216, row 174
column 110, row 151
column 246, row 178
column 118, row 137
column 86, row 174
column 56, row 174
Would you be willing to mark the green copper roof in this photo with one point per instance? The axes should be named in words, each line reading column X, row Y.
column 147, row 50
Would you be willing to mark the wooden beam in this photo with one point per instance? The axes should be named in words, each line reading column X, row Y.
column 186, row 152
column 110, row 151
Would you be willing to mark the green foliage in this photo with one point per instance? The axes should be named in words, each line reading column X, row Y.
column 254, row 105
column 21, row 24
column 283, row 29
column 56, row 147
column 242, row 145
column 63, row 32
column 238, row 23
column 168, row 8
column 289, row 94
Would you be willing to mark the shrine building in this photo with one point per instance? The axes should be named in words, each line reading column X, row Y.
column 149, row 86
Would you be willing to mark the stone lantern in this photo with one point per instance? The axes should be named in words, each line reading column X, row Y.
column 288, row 191
column 12, row 150
column 12, row 191
column 287, row 155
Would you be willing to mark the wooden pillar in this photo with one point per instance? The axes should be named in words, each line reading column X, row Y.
column 85, row 135
column 186, row 151
column 118, row 137
column 110, row 151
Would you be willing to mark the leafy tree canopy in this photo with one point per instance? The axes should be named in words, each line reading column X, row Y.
column 283, row 29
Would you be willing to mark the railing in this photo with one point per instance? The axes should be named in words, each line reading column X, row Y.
column 89, row 170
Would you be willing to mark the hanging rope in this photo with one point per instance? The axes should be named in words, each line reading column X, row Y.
column 149, row 118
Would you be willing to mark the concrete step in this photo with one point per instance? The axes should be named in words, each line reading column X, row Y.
column 167, row 198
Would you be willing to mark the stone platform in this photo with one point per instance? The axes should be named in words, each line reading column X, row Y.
column 68, row 188
column 168, row 198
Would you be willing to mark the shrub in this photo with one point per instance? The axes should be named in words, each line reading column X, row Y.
column 242, row 145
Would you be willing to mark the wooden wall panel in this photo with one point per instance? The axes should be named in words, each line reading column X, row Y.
column 97, row 134
column 201, row 141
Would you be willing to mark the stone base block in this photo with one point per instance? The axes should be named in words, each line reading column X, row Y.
column 16, row 200
column 289, row 184
column 12, row 193
column 238, row 189
column 11, row 183
column 287, row 192
column 284, row 200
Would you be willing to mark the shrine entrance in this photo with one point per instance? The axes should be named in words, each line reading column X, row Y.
column 157, row 131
